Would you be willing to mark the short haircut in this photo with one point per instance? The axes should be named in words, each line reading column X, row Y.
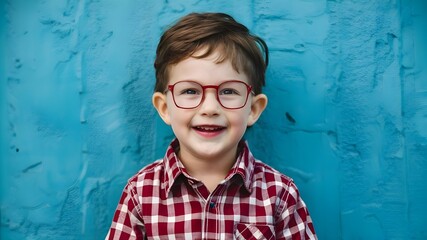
column 212, row 31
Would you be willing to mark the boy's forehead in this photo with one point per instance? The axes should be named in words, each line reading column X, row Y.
column 210, row 68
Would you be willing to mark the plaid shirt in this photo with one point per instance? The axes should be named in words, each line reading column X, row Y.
column 162, row 201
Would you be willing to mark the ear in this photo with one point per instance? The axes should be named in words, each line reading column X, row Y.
column 259, row 103
column 161, row 105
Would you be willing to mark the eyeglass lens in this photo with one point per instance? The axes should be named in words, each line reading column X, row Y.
column 231, row 94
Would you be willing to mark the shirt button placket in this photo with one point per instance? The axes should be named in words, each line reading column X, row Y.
column 212, row 206
column 213, row 225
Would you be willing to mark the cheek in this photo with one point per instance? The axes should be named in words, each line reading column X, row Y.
column 173, row 110
column 240, row 119
column 179, row 117
column 170, row 103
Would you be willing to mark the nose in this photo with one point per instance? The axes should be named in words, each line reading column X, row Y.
column 210, row 104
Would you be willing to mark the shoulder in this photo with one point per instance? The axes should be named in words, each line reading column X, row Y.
column 267, row 174
column 278, row 186
column 275, row 182
column 150, row 174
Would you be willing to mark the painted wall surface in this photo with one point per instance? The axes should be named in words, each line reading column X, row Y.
column 347, row 117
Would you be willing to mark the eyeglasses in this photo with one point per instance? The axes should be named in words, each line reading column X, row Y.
column 230, row 94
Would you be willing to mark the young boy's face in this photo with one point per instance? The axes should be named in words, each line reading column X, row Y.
column 208, row 131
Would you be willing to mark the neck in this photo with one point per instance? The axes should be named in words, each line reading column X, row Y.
column 201, row 166
column 211, row 171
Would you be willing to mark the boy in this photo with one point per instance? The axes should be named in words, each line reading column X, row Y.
column 209, row 75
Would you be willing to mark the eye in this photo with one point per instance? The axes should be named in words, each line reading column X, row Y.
column 189, row 91
column 229, row 91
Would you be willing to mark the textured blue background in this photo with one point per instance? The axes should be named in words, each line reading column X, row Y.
column 347, row 117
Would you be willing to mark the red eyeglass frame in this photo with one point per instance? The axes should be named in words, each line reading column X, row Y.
column 216, row 87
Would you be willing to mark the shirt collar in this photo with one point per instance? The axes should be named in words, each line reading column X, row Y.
column 244, row 166
column 173, row 167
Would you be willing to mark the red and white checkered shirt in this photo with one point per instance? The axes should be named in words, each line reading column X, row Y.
column 162, row 201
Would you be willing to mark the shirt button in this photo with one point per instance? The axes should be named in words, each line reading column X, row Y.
column 211, row 205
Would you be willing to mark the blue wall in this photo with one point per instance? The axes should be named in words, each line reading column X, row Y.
column 347, row 117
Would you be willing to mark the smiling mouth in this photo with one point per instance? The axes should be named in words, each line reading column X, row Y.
column 209, row 128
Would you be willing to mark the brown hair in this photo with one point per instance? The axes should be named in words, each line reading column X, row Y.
column 213, row 31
